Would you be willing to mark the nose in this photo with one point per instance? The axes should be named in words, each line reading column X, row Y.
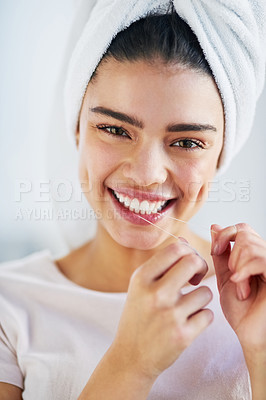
column 146, row 166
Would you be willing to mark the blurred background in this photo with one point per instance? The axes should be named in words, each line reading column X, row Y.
column 41, row 204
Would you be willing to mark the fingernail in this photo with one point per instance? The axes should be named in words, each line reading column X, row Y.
column 212, row 243
column 235, row 277
column 215, row 249
column 216, row 228
column 182, row 239
column 240, row 293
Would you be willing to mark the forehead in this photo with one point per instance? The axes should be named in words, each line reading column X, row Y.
column 154, row 89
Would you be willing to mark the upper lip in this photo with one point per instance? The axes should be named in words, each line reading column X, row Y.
column 140, row 195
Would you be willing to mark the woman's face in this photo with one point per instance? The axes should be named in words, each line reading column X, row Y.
column 150, row 135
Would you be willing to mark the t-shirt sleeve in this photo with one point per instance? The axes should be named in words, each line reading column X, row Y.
column 9, row 369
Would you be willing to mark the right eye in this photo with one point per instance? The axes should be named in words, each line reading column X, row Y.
column 114, row 130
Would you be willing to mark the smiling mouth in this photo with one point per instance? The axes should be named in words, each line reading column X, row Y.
column 143, row 207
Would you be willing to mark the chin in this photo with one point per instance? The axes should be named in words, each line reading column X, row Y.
column 139, row 241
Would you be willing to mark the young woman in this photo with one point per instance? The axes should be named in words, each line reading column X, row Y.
column 120, row 317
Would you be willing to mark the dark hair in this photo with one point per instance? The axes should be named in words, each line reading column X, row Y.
column 165, row 37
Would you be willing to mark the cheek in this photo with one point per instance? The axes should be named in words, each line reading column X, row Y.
column 97, row 162
column 194, row 177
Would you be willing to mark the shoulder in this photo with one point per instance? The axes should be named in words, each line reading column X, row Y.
column 17, row 277
column 17, row 264
column 24, row 283
column 25, row 266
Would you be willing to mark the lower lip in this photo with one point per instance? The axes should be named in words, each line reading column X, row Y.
column 134, row 218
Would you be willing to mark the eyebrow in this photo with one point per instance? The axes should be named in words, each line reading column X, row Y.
column 139, row 124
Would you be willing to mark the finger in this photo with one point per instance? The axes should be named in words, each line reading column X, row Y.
column 197, row 278
column 248, row 248
column 246, row 261
column 215, row 229
column 255, row 267
column 221, row 262
column 198, row 322
column 168, row 287
column 226, row 235
column 234, row 258
column 194, row 301
column 164, row 260
column 243, row 289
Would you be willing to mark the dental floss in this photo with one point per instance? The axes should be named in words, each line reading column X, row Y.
column 176, row 219
column 176, row 237
column 186, row 222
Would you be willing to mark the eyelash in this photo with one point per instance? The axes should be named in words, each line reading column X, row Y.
column 105, row 127
column 193, row 141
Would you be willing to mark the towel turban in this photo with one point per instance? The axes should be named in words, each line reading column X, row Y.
column 230, row 32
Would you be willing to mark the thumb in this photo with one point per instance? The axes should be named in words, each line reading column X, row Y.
column 221, row 262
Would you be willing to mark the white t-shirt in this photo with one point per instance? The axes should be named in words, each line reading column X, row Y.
column 53, row 334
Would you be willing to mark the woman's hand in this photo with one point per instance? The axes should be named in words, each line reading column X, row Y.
column 158, row 322
column 241, row 277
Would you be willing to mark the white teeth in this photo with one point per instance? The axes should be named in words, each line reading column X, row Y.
column 152, row 206
column 121, row 198
column 127, row 202
column 134, row 205
column 144, row 207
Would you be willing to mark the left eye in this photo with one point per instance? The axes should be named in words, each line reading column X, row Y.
column 113, row 130
column 187, row 144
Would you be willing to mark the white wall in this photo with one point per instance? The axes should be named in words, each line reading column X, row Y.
column 31, row 43
column 32, row 35
column 241, row 191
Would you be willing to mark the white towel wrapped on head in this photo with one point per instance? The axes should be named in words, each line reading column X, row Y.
column 230, row 32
